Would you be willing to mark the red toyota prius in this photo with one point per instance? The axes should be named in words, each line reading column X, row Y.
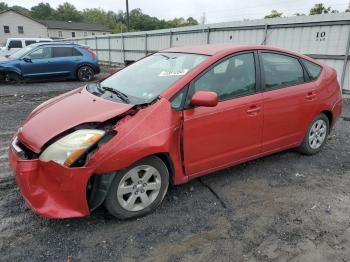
column 173, row 116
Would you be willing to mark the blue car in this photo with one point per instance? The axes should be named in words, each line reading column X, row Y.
column 52, row 60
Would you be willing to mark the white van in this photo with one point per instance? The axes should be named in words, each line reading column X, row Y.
column 14, row 44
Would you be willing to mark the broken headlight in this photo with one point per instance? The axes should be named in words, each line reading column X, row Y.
column 69, row 148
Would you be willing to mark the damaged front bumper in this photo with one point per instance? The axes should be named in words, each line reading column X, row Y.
column 50, row 189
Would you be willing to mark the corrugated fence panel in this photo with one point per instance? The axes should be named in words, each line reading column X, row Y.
column 133, row 56
column 91, row 43
column 134, row 43
column 158, row 42
column 326, row 40
column 189, row 39
column 116, row 43
column 238, row 37
column 117, row 57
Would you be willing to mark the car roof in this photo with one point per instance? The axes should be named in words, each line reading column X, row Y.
column 214, row 49
column 55, row 43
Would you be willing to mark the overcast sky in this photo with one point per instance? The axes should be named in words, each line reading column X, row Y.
column 215, row 10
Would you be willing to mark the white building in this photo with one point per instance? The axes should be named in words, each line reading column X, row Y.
column 15, row 24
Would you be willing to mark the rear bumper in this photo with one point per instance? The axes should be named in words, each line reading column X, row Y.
column 49, row 189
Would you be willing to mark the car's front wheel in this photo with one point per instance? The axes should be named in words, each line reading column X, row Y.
column 316, row 135
column 85, row 73
column 139, row 189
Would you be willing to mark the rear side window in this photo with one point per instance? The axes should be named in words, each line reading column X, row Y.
column 15, row 44
column 281, row 70
column 29, row 42
column 313, row 69
column 65, row 52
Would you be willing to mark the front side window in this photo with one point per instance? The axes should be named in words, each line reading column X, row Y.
column 60, row 34
column 231, row 78
column 21, row 52
column 15, row 44
column 73, row 34
column 6, row 29
column 281, row 70
column 149, row 77
column 41, row 53
column 20, row 30
column 313, row 69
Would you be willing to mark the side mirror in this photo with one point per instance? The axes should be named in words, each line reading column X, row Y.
column 204, row 98
column 27, row 59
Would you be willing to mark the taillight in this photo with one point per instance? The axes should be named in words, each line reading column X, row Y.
column 92, row 52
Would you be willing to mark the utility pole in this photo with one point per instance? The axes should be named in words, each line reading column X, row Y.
column 127, row 16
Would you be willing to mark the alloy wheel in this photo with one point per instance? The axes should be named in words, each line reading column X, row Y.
column 139, row 188
column 317, row 134
column 85, row 73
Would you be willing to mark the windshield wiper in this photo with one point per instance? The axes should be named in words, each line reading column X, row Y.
column 118, row 93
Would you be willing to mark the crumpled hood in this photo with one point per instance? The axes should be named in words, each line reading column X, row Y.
column 64, row 112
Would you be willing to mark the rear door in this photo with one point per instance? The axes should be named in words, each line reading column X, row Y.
column 289, row 100
column 65, row 60
column 216, row 137
column 39, row 65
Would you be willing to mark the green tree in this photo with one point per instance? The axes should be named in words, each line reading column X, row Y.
column 3, row 6
column 42, row 11
column 321, row 9
column 274, row 14
column 21, row 9
column 347, row 10
column 68, row 12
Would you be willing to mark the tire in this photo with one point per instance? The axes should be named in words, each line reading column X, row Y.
column 316, row 136
column 129, row 198
column 85, row 73
column 13, row 78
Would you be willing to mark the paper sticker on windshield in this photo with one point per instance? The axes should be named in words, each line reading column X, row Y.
column 174, row 73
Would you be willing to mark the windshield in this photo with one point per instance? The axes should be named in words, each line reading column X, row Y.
column 21, row 52
column 152, row 75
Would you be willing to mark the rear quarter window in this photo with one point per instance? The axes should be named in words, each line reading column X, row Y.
column 62, row 51
column 313, row 69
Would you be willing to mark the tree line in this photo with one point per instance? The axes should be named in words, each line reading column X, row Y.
column 116, row 21
column 317, row 9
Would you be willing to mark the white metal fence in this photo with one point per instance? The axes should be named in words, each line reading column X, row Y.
column 323, row 37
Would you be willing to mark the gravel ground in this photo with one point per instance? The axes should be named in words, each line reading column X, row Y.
column 285, row 207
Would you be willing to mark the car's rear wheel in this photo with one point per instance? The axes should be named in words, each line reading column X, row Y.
column 316, row 135
column 139, row 189
column 85, row 73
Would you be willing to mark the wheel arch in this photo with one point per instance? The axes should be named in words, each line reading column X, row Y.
column 99, row 184
column 329, row 115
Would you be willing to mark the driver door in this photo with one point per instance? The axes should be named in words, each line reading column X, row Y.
column 231, row 132
column 39, row 65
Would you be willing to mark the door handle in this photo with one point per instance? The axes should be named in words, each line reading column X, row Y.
column 253, row 110
column 310, row 96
